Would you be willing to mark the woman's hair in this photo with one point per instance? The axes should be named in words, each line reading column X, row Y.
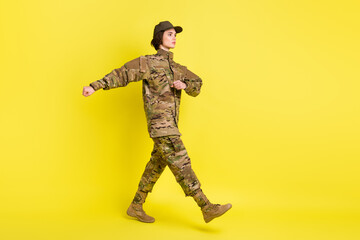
column 157, row 40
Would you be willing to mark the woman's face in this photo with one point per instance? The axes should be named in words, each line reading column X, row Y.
column 169, row 38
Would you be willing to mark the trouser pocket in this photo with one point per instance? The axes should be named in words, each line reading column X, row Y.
column 177, row 143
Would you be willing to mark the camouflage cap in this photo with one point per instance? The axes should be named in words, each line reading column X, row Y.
column 165, row 25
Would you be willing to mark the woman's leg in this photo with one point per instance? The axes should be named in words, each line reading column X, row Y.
column 176, row 156
column 152, row 172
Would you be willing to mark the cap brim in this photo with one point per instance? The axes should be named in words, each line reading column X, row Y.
column 178, row 29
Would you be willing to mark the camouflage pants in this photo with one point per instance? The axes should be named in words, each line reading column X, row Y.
column 169, row 151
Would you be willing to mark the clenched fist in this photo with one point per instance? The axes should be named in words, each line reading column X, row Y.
column 87, row 91
column 179, row 84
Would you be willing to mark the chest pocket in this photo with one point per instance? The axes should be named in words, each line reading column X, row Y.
column 160, row 80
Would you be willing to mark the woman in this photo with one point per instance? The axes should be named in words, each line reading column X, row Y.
column 162, row 82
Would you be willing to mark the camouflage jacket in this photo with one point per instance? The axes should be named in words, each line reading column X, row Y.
column 161, row 102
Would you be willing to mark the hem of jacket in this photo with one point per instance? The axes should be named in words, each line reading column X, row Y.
column 165, row 134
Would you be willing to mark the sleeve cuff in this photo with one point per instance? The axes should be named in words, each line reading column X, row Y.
column 94, row 86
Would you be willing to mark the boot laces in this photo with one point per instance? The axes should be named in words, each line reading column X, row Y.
column 213, row 206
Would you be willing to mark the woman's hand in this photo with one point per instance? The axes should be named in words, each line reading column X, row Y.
column 179, row 84
column 87, row 91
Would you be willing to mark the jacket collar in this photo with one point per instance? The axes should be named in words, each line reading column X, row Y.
column 165, row 53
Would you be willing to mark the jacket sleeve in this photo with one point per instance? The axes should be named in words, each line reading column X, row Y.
column 193, row 82
column 132, row 71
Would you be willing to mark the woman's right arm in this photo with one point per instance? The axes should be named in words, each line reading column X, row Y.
column 132, row 71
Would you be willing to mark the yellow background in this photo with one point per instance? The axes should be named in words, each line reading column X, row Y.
column 275, row 130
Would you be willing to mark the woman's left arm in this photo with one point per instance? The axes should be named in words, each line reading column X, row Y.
column 193, row 82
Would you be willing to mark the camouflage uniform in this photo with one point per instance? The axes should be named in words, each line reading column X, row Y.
column 161, row 105
column 169, row 151
column 161, row 102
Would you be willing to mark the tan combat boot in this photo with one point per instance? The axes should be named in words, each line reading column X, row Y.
column 212, row 211
column 209, row 210
column 136, row 210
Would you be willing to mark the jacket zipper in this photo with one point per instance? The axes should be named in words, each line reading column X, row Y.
column 174, row 90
